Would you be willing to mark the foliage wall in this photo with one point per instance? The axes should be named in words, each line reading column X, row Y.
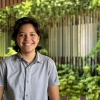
column 46, row 12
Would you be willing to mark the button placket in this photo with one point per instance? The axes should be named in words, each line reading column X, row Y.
column 26, row 83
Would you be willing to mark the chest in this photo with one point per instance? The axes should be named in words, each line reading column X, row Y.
column 20, row 74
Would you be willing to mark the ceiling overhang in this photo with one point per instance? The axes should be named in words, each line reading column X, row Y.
column 9, row 3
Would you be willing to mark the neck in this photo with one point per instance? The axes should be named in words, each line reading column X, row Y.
column 29, row 57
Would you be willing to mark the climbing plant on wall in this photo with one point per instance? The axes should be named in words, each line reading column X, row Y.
column 46, row 11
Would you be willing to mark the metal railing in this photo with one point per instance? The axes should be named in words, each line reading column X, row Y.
column 74, row 35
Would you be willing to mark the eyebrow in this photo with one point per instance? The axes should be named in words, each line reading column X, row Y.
column 24, row 32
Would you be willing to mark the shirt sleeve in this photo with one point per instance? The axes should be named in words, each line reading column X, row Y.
column 2, row 74
column 53, row 75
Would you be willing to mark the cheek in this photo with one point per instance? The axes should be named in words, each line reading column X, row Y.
column 19, row 41
column 36, row 39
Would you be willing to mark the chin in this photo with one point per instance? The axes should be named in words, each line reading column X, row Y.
column 29, row 51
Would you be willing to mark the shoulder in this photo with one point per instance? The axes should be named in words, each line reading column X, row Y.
column 10, row 59
column 46, row 61
column 45, row 58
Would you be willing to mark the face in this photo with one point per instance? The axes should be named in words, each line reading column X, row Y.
column 27, row 38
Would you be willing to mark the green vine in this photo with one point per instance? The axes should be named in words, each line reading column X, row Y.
column 73, row 85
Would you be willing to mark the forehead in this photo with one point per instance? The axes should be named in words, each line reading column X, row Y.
column 27, row 26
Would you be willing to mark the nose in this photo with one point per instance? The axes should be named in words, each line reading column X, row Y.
column 27, row 37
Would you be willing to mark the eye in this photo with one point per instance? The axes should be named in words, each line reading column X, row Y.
column 32, row 34
column 21, row 35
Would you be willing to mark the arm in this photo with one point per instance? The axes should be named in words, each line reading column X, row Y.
column 53, row 92
column 1, row 92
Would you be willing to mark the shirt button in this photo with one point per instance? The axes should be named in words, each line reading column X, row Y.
column 27, row 81
column 26, row 95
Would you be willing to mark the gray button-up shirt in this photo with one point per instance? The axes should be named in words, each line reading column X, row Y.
column 23, row 81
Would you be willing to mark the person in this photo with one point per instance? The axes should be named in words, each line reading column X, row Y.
column 28, row 75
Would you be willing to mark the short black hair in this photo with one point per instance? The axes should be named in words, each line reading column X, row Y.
column 19, row 23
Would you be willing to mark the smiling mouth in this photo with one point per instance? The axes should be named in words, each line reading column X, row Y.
column 28, row 44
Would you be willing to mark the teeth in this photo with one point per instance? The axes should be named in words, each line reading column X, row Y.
column 27, row 44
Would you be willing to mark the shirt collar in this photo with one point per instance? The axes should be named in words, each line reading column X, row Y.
column 20, row 56
column 37, row 59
